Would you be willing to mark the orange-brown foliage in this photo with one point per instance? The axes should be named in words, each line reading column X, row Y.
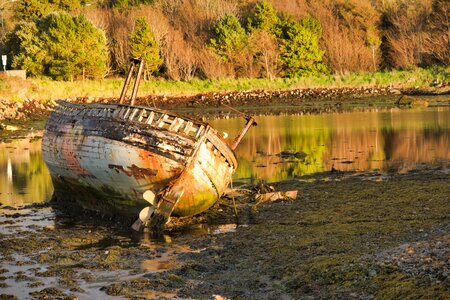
column 414, row 33
column 117, row 27
column 345, row 27
column 417, row 32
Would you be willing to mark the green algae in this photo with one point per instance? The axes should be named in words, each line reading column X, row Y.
column 399, row 286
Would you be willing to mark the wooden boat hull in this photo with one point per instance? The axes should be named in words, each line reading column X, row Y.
column 104, row 157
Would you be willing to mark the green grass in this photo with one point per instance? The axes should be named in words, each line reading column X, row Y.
column 44, row 89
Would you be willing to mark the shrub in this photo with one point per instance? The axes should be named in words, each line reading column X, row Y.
column 299, row 50
column 144, row 46
column 59, row 46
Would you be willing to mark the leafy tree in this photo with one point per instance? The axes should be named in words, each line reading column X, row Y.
column 299, row 51
column 59, row 46
column 266, row 52
column 26, row 47
column 228, row 38
column 74, row 45
column 374, row 42
column 264, row 18
column 144, row 46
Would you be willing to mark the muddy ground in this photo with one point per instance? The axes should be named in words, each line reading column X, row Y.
column 346, row 236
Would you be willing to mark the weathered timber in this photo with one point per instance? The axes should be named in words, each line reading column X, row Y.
column 275, row 196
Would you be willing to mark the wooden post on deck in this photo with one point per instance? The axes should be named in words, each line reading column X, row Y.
column 127, row 83
column 137, row 81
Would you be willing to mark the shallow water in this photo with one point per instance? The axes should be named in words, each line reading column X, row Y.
column 393, row 140
column 24, row 177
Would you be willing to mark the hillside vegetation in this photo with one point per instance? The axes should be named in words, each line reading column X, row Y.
column 211, row 39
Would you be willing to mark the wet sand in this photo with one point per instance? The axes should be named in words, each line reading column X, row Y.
column 347, row 235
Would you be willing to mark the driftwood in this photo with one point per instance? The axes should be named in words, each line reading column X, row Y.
column 275, row 196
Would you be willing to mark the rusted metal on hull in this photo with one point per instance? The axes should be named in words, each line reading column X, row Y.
column 111, row 154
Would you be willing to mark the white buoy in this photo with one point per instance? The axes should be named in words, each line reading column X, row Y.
column 149, row 196
column 146, row 213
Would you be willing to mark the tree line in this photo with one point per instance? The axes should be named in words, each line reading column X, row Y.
column 185, row 39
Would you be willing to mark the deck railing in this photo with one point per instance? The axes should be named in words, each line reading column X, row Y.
column 136, row 114
column 152, row 117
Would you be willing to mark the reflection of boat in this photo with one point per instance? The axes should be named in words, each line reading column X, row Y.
column 107, row 156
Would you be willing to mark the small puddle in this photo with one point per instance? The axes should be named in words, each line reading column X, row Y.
column 167, row 258
column 165, row 262
column 226, row 228
column 158, row 295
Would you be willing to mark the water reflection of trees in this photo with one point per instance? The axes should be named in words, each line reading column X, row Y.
column 24, row 178
column 389, row 140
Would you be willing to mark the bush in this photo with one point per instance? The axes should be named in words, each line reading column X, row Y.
column 144, row 46
column 299, row 50
column 228, row 38
column 59, row 46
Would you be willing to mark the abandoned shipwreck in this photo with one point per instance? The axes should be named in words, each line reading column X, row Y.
column 140, row 163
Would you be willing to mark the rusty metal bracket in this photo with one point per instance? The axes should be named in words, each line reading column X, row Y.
column 250, row 121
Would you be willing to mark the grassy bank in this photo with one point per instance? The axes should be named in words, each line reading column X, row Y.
column 44, row 89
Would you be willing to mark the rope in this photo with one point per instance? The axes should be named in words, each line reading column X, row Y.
column 234, row 202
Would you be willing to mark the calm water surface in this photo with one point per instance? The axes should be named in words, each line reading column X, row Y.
column 395, row 140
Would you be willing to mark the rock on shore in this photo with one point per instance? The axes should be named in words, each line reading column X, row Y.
column 252, row 97
column 305, row 100
column 10, row 110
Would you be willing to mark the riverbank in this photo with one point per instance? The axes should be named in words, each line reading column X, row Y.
column 300, row 100
column 347, row 235
column 45, row 90
column 27, row 119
